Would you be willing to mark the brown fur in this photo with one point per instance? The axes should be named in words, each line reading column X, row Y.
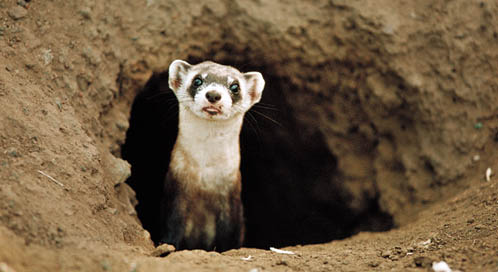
column 189, row 204
column 202, row 205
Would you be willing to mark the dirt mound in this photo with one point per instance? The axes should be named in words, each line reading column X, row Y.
column 372, row 114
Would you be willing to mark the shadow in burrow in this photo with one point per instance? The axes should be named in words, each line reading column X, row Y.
column 279, row 166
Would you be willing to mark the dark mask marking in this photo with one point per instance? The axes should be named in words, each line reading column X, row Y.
column 213, row 78
column 192, row 89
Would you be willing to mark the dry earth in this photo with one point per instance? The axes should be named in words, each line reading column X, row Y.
column 387, row 119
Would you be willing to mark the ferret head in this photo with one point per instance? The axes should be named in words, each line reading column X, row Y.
column 213, row 91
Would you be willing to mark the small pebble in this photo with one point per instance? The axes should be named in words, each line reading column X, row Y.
column 30, row 65
column 12, row 152
column 374, row 264
column 59, row 104
column 441, row 267
column 479, row 227
column 145, row 235
column 120, row 170
column 22, row 3
column 122, row 125
column 17, row 12
column 489, row 173
column 86, row 13
column 386, row 254
column 248, row 258
column 163, row 250
column 106, row 266
column 113, row 211
column 47, row 56
column 282, row 262
column 422, row 261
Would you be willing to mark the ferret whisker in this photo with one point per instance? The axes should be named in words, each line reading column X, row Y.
column 253, row 123
column 265, row 107
column 268, row 117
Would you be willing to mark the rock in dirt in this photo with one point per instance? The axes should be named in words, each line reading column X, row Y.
column 17, row 13
column 441, row 267
column 23, row 3
column 163, row 250
column 120, row 170
column 127, row 197
column 423, row 261
column 386, row 253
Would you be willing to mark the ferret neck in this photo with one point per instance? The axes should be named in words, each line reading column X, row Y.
column 207, row 153
column 197, row 135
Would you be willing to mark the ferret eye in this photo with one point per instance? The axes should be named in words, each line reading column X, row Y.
column 234, row 88
column 197, row 82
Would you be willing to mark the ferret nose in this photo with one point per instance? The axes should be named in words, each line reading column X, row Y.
column 213, row 96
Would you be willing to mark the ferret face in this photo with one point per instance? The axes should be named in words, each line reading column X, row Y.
column 213, row 91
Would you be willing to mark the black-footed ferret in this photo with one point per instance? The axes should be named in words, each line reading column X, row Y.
column 201, row 207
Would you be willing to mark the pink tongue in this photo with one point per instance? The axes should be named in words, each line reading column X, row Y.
column 211, row 111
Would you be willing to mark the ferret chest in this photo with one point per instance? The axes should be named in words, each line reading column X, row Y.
column 206, row 163
column 207, row 153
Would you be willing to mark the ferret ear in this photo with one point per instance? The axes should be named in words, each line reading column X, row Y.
column 178, row 69
column 255, row 85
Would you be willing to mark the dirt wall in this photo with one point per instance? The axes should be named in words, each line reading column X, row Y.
column 381, row 110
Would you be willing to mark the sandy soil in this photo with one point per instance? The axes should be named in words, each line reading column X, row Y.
column 395, row 124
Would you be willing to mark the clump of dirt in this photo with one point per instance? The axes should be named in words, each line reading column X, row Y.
column 376, row 115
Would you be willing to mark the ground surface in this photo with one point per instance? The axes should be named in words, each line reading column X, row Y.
column 400, row 98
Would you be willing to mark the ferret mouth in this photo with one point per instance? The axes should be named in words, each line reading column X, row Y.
column 211, row 110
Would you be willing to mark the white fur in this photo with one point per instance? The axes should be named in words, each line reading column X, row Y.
column 213, row 145
column 210, row 142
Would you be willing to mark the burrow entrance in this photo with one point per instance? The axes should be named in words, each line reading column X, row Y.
column 281, row 167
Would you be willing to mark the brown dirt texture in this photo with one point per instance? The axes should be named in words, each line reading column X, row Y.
column 386, row 123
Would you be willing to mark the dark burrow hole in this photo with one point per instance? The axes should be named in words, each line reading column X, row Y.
column 280, row 167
